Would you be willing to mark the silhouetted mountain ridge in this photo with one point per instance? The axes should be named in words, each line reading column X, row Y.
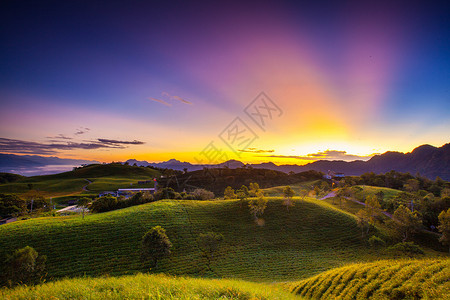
column 427, row 160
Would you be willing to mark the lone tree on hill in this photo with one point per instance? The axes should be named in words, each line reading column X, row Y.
column 254, row 189
column 242, row 194
column 444, row 227
column 367, row 217
column 258, row 205
column 155, row 245
column 229, row 193
column 362, row 220
column 209, row 243
column 303, row 193
column 288, row 193
column 25, row 265
column 83, row 203
column 405, row 223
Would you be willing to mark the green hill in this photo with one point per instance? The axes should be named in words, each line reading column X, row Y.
column 389, row 279
column 148, row 287
column 103, row 177
column 309, row 238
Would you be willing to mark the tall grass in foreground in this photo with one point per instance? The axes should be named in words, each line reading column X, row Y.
column 142, row 286
column 389, row 279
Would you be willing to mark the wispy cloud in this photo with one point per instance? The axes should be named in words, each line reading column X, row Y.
column 325, row 155
column 82, row 130
column 161, row 101
column 60, row 137
column 117, row 142
column 28, row 147
column 255, row 150
column 169, row 97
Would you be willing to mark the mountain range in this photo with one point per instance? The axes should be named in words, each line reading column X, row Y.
column 427, row 160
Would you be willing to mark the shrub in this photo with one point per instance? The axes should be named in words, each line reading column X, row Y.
column 11, row 205
column 202, row 194
column 155, row 245
column 406, row 248
column 25, row 265
column 104, row 203
column 376, row 242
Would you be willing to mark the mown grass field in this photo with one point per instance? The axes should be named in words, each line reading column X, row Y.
column 389, row 279
column 372, row 190
column 309, row 238
column 144, row 286
column 103, row 177
column 278, row 190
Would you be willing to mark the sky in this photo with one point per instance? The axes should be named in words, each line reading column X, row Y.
column 281, row 81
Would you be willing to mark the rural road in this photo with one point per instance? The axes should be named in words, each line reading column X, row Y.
column 85, row 187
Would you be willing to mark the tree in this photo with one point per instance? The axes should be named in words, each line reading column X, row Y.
column 11, row 205
column 303, row 193
column 35, row 200
column 202, row 194
column 372, row 208
column 405, row 223
column 242, row 194
column 288, row 193
column 258, row 205
column 104, row 203
column 254, row 189
column 380, row 196
column 444, row 227
column 155, row 245
column 83, row 203
column 363, row 221
column 412, row 185
column 25, row 265
column 209, row 244
column 229, row 193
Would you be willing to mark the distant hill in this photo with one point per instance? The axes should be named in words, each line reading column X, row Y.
column 427, row 160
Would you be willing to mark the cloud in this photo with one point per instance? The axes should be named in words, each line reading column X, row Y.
column 82, row 130
column 254, row 150
column 60, row 136
column 170, row 97
column 326, row 155
column 27, row 147
column 117, row 142
column 181, row 99
column 160, row 101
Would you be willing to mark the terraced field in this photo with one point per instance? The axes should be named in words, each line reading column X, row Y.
column 148, row 287
column 309, row 238
column 389, row 279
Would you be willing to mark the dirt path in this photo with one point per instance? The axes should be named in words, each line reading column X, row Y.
column 85, row 187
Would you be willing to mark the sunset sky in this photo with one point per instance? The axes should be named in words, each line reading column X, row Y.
column 154, row 80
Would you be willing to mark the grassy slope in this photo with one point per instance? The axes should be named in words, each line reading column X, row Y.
column 310, row 238
column 148, row 287
column 278, row 190
column 404, row 279
column 103, row 177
